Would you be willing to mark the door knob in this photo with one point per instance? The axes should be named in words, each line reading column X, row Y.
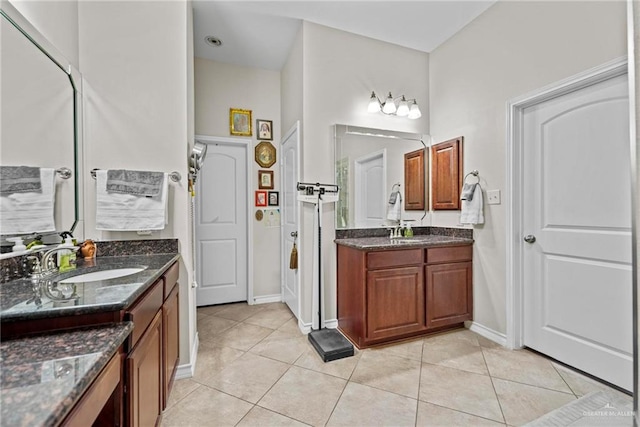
column 530, row 238
column 294, row 234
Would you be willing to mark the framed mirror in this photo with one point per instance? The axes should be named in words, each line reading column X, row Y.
column 39, row 117
column 371, row 166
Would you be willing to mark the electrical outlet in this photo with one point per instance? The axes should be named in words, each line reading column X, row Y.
column 493, row 197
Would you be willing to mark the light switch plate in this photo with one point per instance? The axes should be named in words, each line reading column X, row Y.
column 493, row 197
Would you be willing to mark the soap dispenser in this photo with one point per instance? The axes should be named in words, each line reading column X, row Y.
column 18, row 244
column 67, row 258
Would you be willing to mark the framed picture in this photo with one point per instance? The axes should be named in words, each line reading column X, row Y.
column 265, row 129
column 265, row 179
column 274, row 198
column 240, row 122
column 265, row 154
column 261, row 198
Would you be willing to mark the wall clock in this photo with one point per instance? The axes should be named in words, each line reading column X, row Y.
column 265, row 154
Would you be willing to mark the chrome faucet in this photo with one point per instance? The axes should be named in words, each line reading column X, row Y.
column 47, row 265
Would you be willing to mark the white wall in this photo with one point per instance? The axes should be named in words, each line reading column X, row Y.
column 340, row 70
column 219, row 87
column 511, row 49
column 134, row 61
column 57, row 21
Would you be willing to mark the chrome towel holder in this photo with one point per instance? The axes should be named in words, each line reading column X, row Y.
column 474, row 173
column 174, row 176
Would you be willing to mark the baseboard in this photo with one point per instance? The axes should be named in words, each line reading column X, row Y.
column 487, row 333
column 305, row 328
column 188, row 370
column 266, row 299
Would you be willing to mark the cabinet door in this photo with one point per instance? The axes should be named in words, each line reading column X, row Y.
column 144, row 377
column 414, row 180
column 170, row 342
column 395, row 302
column 449, row 294
column 446, row 175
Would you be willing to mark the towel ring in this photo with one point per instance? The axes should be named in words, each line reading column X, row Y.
column 397, row 184
column 175, row 175
column 474, row 173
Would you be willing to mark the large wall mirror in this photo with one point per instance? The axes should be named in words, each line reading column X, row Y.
column 373, row 164
column 38, row 117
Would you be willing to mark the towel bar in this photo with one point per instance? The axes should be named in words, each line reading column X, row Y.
column 175, row 175
column 64, row 172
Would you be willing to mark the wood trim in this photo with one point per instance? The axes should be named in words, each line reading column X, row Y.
column 86, row 411
column 143, row 312
column 24, row 328
column 400, row 258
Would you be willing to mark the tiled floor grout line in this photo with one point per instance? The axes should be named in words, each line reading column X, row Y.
column 504, row 418
column 419, row 383
column 268, row 319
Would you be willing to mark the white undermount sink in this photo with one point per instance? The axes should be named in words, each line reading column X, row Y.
column 102, row 275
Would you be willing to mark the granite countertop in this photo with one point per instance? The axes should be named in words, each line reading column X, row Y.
column 21, row 300
column 43, row 377
column 385, row 243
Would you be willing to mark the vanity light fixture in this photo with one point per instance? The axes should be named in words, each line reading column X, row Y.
column 403, row 108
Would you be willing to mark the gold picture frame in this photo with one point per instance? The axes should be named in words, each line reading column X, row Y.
column 265, row 154
column 240, row 122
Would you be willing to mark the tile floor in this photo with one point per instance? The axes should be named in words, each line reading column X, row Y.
column 255, row 368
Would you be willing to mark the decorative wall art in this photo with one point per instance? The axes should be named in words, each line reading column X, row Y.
column 265, row 180
column 261, row 198
column 265, row 154
column 265, row 129
column 274, row 198
column 240, row 122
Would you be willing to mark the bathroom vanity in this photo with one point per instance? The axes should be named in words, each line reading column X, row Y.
column 146, row 359
column 391, row 289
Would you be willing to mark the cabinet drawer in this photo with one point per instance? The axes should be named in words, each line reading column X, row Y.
column 449, row 254
column 394, row 258
column 144, row 311
column 171, row 278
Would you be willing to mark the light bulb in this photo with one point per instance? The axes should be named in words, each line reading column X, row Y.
column 374, row 104
column 389, row 106
column 403, row 107
column 414, row 112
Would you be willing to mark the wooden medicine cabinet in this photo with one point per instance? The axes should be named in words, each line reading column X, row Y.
column 414, row 180
column 446, row 174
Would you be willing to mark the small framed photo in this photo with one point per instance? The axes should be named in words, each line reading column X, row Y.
column 261, row 198
column 240, row 122
column 265, row 129
column 265, row 179
column 274, row 198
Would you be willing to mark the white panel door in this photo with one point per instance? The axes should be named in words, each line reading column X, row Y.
column 289, row 172
column 221, row 225
column 577, row 205
column 370, row 182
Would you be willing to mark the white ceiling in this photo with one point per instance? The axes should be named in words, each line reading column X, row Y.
column 260, row 33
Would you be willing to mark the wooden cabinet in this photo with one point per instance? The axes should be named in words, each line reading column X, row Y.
column 154, row 350
column 144, row 382
column 388, row 295
column 446, row 174
column 414, row 180
column 395, row 302
column 170, row 341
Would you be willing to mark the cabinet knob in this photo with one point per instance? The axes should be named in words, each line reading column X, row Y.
column 294, row 234
column 530, row 238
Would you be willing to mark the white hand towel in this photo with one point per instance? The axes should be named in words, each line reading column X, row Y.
column 127, row 212
column 30, row 211
column 394, row 209
column 472, row 209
